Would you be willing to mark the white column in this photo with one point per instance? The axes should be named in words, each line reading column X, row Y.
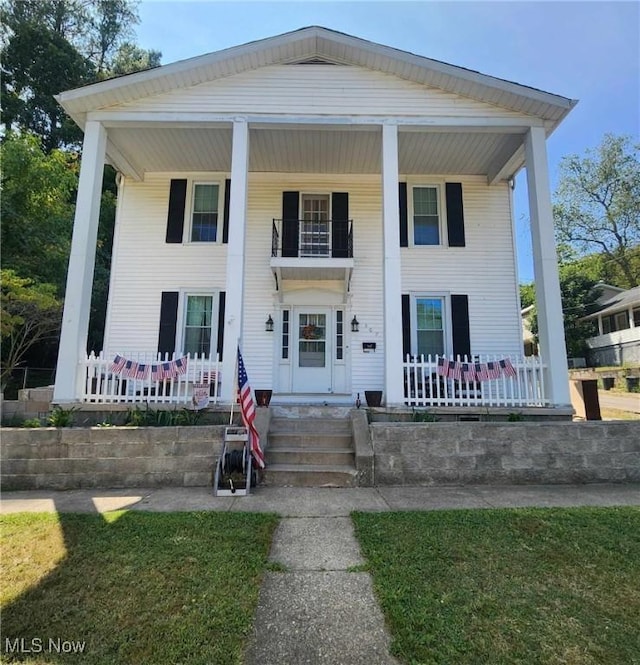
column 545, row 266
column 235, row 257
column 77, row 303
column 392, row 302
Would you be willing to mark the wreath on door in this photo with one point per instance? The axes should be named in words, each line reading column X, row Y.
column 311, row 332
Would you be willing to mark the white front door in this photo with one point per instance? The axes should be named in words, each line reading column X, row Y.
column 312, row 332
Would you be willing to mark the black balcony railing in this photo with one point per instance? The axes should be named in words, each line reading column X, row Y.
column 316, row 238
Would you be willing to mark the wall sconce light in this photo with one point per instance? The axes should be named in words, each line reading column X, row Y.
column 268, row 324
column 355, row 324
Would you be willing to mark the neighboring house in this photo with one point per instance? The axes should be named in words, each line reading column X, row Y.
column 337, row 206
column 528, row 339
column 618, row 319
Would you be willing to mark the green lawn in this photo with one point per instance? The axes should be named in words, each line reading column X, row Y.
column 135, row 587
column 508, row 586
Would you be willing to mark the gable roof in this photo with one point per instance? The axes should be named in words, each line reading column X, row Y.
column 618, row 303
column 316, row 44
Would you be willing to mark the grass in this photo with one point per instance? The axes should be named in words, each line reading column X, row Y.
column 508, row 586
column 135, row 587
column 617, row 414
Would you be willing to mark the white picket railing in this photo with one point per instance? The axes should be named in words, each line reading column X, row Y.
column 101, row 385
column 423, row 386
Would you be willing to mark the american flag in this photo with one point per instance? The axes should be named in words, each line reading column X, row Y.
column 248, row 411
column 443, row 367
column 455, row 370
column 166, row 371
column 507, row 368
column 493, row 369
column 482, row 372
column 117, row 365
column 468, row 372
column 142, row 371
column 130, row 369
column 156, row 372
column 180, row 365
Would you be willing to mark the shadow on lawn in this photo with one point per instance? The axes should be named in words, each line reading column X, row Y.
column 137, row 587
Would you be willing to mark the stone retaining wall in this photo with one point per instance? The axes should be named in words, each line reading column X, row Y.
column 71, row 458
column 501, row 453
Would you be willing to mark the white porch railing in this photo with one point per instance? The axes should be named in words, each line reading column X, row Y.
column 101, row 385
column 423, row 386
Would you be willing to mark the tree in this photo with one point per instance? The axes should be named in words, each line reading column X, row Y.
column 597, row 205
column 31, row 315
column 38, row 192
column 579, row 294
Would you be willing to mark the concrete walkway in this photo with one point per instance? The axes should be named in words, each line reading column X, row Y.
column 318, row 610
column 621, row 401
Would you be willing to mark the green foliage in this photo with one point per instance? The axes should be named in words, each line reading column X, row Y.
column 60, row 417
column 148, row 417
column 579, row 298
column 131, row 58
column 30, row 315
column 37, row 209
column 31, row 423
column 423, row 417
column 597, row 205
column 515, row 417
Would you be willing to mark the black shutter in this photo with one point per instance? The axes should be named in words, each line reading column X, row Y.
column 290, row 216
column 168, row 322
column 460, row 325
column 175, row 216
column 340, row 225
column 455, row 214
column 406, row 326
column 225, row 213
column 404, row 220
column 221, row 303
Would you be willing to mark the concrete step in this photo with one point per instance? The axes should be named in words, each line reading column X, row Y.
column 309, row 440
column 310, row 411
column 309, row 475
column 310, row 425
column 305, row 456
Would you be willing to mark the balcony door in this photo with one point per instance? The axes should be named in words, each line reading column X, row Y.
column 315, row 226
column 312, row 350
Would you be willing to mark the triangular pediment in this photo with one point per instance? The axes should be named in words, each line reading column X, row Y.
column 318, row 47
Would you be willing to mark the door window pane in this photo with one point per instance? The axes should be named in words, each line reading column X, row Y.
column 312, row 340
column 315, row 228
column 429, row 326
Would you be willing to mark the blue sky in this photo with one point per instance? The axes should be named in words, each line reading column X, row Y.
column 588, row 51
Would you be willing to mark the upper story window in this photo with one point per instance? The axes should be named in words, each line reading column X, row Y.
column 426, row 215
column 204, row 215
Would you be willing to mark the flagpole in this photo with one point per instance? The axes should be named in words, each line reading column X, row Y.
column 235, row 382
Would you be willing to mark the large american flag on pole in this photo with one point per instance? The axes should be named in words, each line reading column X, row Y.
column 248, row 411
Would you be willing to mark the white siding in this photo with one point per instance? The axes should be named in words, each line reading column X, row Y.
column 484, row 269
column 144, row 266
column 316, row 89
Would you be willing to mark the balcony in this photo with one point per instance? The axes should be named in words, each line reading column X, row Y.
column 312, row 249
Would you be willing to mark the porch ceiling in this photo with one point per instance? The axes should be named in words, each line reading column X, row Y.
column 472, row 151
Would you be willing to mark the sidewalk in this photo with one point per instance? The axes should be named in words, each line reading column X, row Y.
column 322, row 502
column 320, row 609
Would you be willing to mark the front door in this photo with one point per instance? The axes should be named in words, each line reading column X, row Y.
column 312, row 350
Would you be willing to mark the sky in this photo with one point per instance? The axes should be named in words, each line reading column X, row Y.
column 589, row 51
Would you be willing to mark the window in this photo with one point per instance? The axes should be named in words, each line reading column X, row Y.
column 198, row 322
column 426, row 216
column 285, row 334
column 429, row 326
column 622, row 321
column 204, row 216
column 339, row 335
column 636, row 317
column 315, row 231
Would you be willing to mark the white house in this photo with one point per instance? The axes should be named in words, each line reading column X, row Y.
column 355, row 198
column 618, row 320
